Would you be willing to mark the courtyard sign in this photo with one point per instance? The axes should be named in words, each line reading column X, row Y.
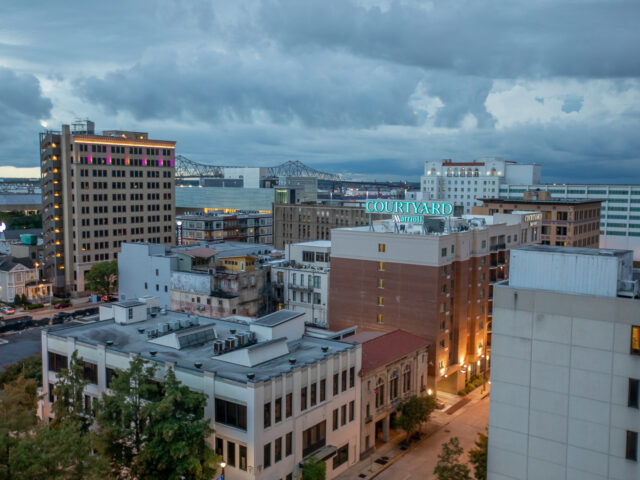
column 406, row 211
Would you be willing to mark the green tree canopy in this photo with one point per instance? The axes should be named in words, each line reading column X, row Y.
column 478, row 457
column 124, row 413
column 449, row 466
column 102, row 278
column 30, row 367
column 414, row 412
column 314, row 469
column 177, row 436
column 69, row 392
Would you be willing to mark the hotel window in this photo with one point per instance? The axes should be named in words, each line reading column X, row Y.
column 267, row 455
column 380, row 318
column 278, row 412
column 289, row 405
column 335, row 419
column 381, row 266
column 278, row 450
column 267, row 414
column 314, row 389
column 635, row 340
column 231, row 454
column 303, row 398
column 484, row 244
column 243, row 457
column 380, row 283
column 632, row 446
column 288, row 445
column 443, row 252
column 342, row 456
column 343, row 414
column 380, row 301
column 382, row 247
column 323, row 390
column 352, row 410
column 352, row 377
column 344, row 380
column 336, row 382
column 633, row 392
column 57, row 362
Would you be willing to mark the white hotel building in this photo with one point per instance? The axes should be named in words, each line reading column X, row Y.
column 565, row 367
column 464, row 183
column 272, row 390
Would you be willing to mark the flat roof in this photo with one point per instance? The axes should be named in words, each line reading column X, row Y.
column 129, row 303
column 276, row 318
column 127, row 339
column 316, row 243
column 600, row 252
column 557, row 201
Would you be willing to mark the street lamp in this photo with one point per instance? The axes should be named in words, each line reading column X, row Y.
column 222, row 465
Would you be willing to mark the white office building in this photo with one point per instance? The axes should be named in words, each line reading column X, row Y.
column 620, row 215
column 301, row 283
column 464, row 183
column 565, row 367
column 271, row 389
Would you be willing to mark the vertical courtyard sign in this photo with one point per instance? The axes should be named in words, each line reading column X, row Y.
column 407, row 211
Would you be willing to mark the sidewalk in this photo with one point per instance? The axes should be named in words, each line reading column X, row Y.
column 385, row 456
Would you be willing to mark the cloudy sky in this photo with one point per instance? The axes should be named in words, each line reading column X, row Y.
column 368, row 88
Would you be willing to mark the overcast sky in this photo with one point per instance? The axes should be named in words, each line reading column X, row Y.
column 369, row 88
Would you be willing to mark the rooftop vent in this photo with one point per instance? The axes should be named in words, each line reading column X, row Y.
column 325, row 348
column 140, row 329
column 292, row 360
column 251, row 376
column 197, row 364
column 233, row 331
column 153, row 353
column 109, row 343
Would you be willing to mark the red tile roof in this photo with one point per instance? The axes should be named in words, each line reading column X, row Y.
column 386, row 348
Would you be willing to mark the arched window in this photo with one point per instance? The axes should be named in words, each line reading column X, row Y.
column 449, row 172
column 476, row 173
column 493, row 172
column 406, row 379
column 379, row 393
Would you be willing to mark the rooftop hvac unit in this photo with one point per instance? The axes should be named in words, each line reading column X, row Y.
column 218, row 347
column 163, row 311
column 184, row 323
column 195, row 321
column 164, row 328
column 153, row 333
column 174, row 325
column 230, row 343
column 242, row 339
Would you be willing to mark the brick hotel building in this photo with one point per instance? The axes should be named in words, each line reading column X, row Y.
column 438, row 285
column 99, row 191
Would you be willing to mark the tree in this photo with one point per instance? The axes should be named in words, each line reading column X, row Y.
column 102, row 278
column 177, row 435
column 414, row 412
column 30, row 367
column 17, row 300
column 123, row 415
column 59, row 453
column 17, row 416
column 24, row 300
column 69, row 392
column 314, row 469
column 448, row 466
column 478, row 457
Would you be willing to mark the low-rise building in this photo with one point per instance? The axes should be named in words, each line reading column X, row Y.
column 566, row 366
column 240, row 226
column 301, row 282
column 394, row 368
column 272, row 390
column 565, row 223
column 19, row 276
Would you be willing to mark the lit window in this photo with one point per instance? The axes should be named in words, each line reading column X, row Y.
column 380, row 301
column 380, row 318
column 635, row 340
column 382, row 247
column 381, row 266
column 380, row 283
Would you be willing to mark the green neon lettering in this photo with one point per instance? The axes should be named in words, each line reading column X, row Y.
column 435, row 207
column 368, row 206
column 414, row 205
column 376, row 204
column 399, row 207
column 447, row 209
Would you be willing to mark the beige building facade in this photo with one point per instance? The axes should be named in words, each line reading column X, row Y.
column 99, row 191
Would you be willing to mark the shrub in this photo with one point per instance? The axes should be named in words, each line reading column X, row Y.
column 474, row 382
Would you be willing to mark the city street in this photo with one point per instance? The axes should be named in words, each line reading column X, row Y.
column 421, row 460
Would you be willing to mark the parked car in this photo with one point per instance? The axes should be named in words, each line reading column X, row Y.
column 58, row 306
column 8, row 310
column 15, row 324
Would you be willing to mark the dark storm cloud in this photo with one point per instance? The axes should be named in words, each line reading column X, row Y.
column 496, row 38
column 320, row 91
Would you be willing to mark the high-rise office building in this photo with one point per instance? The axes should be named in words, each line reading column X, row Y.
column 99, row 191
column 565, row 366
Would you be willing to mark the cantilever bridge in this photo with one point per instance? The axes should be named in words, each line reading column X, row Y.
column 186, row 168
